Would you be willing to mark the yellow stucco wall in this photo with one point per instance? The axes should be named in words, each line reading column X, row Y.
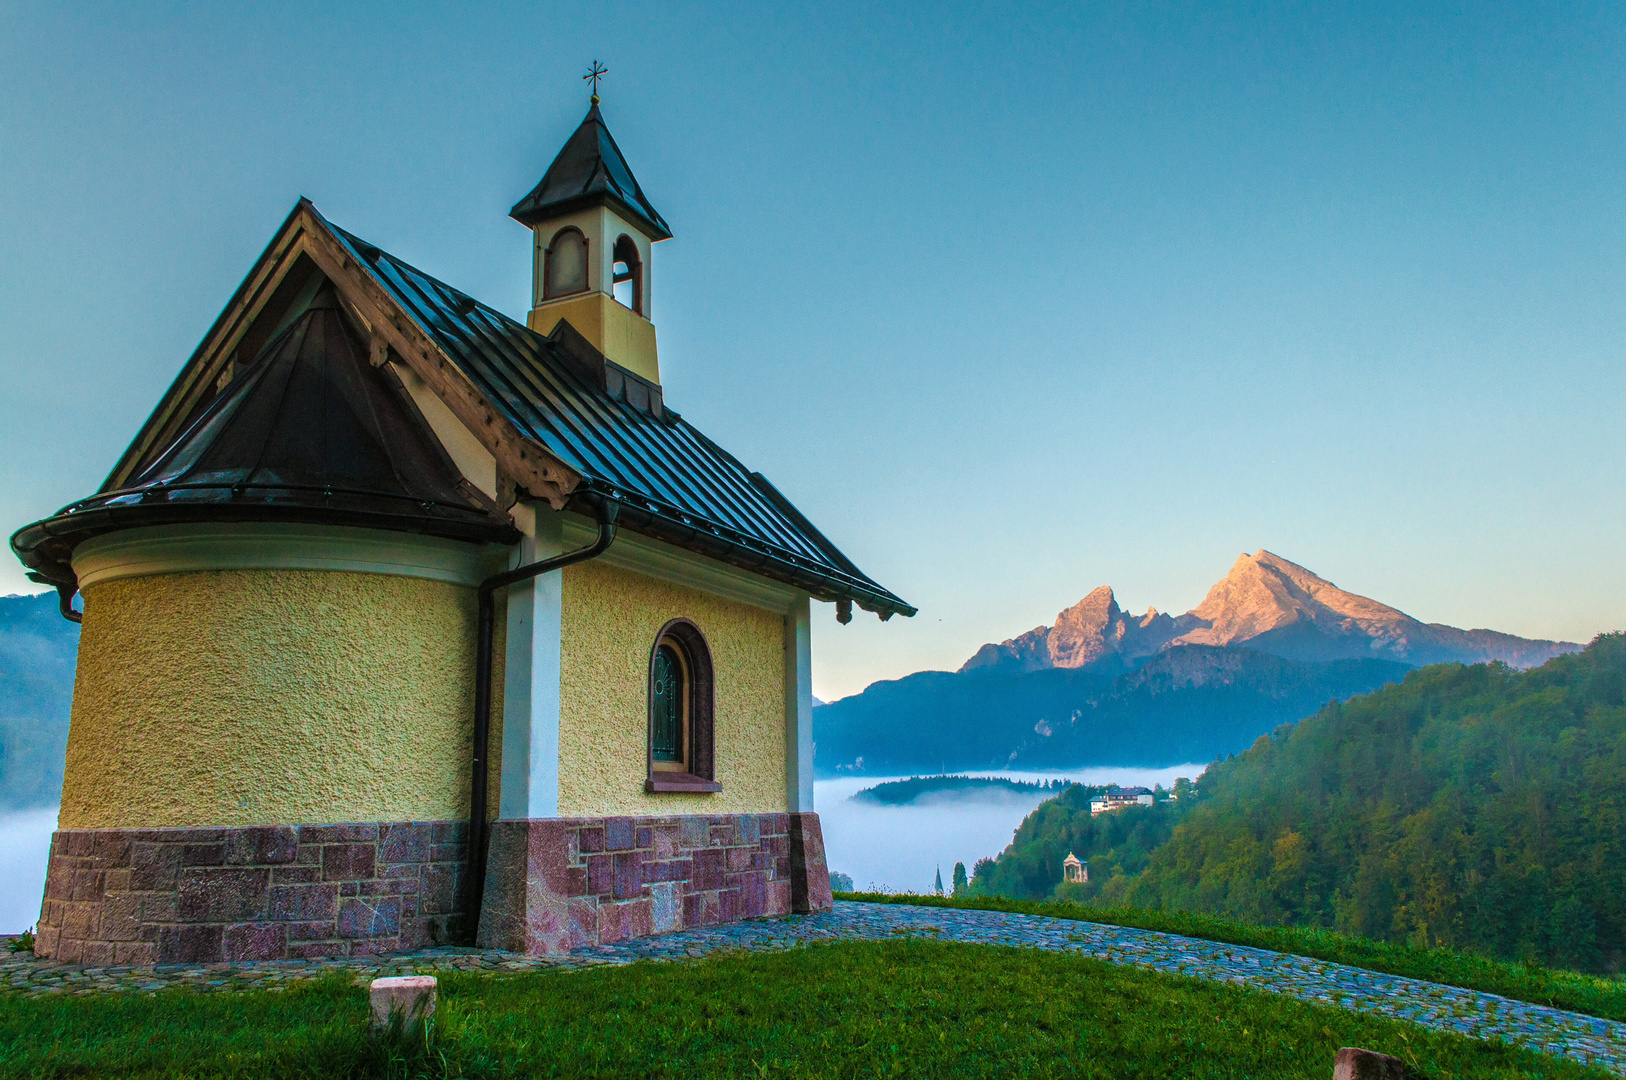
column 619, row 333
column 609, row 619
column 241, row 697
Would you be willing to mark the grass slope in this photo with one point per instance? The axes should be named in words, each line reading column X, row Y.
column 850, row 1009
column 1571, row 990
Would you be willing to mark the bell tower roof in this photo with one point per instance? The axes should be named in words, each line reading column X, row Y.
column 590, row 171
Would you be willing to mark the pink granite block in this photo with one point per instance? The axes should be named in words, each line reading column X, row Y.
column 370, row 917
column 76, row 842
column 668, row 839
column 618, row 834
column 46, row 939
column 87, row 885
column 189, row 944
column 135, row 953
column 709, row 868
column 753, row 895
column 809, row 872
column 82, row 921
column 600, row 875
column 591, row 838
column 295, row 875
column 96, row 953
column 547, row 856
column 779, row 898
column 322, row 930
column 110, row 848
column 348, row 862
column 583, row 921
column 405, row 842
column 439, row 886
column 310, row 950
column 303, row 903
column 629, row 874
column 377, row 946
column 69, row 950
column 159, row 907
column 255, row 941
column 1352, row 1063
column 261, row 845
column 619, row 922
column 222, row 895
column 358, row 832
column 694, row 832
column 121, row 918
column 208, row 854
column 412, row 997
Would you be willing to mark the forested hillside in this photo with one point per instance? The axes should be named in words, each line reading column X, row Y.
column 1476, row 807
column 38, row 648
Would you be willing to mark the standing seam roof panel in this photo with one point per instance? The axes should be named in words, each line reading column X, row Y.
column 680, row 474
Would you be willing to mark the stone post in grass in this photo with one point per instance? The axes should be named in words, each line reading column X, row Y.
column 413, row 996
column 1353, row 1063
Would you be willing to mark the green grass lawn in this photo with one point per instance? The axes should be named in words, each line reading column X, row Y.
column 1572, row 990
column 910, row 1007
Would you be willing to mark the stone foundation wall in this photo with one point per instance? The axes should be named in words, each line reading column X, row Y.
column 162, row 896
column 556, row 884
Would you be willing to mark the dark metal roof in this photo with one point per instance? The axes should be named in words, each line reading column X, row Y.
column 590, row 171
column 308, row 431
column 669, row 479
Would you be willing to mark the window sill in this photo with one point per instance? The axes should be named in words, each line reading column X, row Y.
column 680, row 782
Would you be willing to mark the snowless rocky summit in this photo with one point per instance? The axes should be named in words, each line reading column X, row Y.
column 1265, row 603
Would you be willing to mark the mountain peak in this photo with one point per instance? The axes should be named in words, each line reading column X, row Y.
column 1270, row 604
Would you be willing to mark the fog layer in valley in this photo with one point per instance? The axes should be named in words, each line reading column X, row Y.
column 892, row 848
column 25, row 843
column 900, row 848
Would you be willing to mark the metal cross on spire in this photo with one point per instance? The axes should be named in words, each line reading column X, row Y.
column 595, row 75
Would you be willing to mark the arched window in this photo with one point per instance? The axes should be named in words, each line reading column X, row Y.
column 628, row 274
column 680, row 711
column 565, row 271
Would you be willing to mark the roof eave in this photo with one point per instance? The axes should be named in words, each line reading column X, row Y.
column 656, row 230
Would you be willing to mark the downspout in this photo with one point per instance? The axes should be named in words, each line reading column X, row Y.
column 64, row 597
column 65, row 591
column 476, row 873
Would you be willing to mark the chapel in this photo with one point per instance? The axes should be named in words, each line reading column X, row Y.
column 408, row 623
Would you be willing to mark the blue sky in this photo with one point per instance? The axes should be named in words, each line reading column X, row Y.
column 1012, row 300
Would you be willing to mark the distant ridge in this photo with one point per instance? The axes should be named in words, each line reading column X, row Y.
column 1270, row 605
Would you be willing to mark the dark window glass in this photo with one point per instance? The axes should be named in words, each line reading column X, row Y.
column 668, row 705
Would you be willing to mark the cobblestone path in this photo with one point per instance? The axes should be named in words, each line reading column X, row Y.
column 1447, row 1008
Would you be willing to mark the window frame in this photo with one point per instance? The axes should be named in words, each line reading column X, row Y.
column 698, row 774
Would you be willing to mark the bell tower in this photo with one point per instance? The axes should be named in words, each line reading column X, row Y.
column 593, row 234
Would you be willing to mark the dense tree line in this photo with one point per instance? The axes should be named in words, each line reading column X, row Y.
column 1471, row 806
